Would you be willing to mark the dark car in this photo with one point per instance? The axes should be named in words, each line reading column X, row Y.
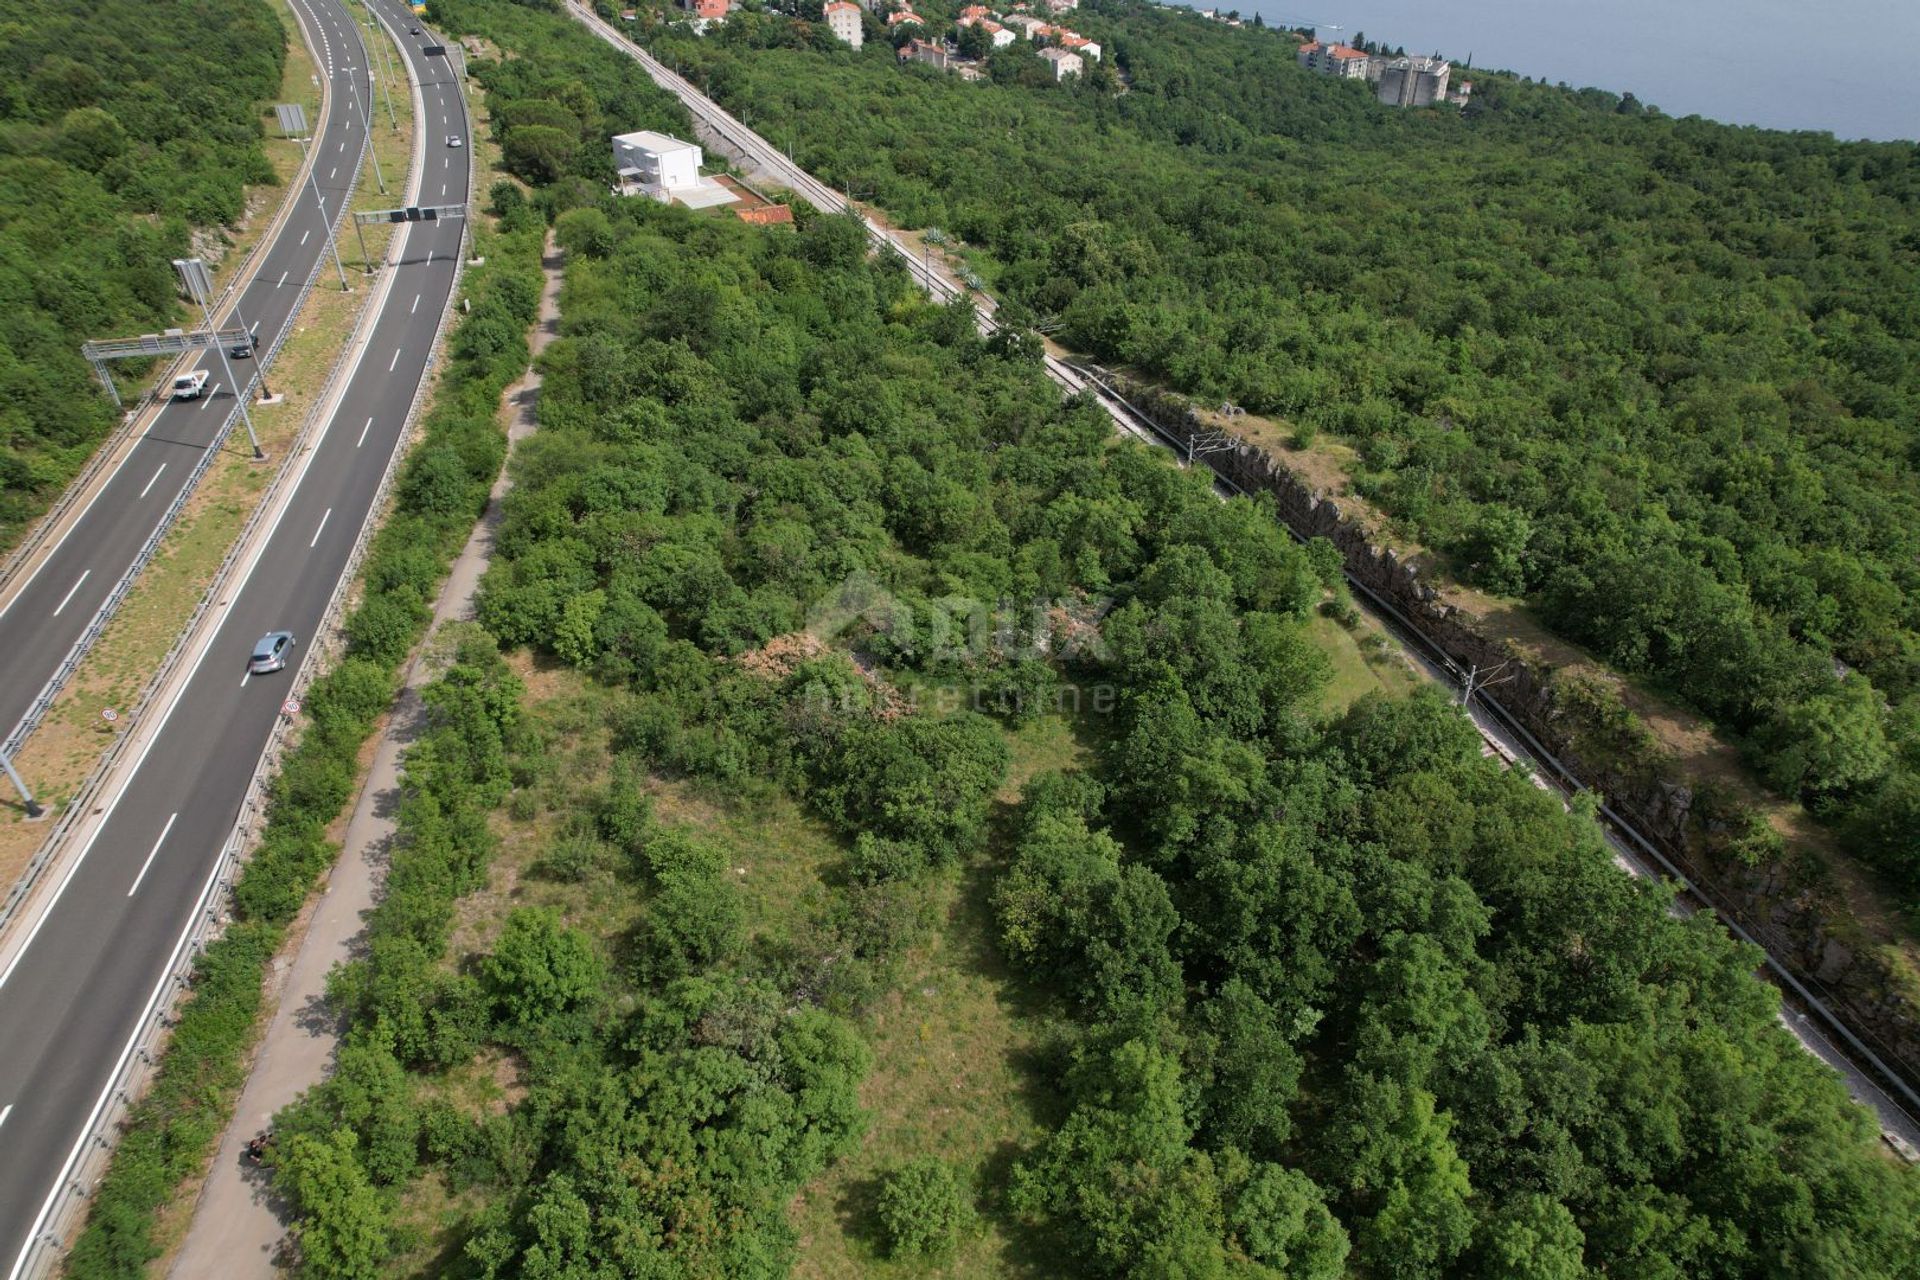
column 413, row 31
column 241, row 349
column 271, row 651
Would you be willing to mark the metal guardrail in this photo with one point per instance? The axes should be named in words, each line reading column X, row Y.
column 209, row 920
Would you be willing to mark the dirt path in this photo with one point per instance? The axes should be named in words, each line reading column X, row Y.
column 237, row 1225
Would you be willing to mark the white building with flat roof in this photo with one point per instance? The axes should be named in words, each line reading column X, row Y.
column 655, row 162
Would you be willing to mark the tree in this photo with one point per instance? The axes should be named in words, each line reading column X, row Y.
column 540, row 969
column 1832, row 742
column 342, row 1228
column 1536, row 1237
column 923, row 1209
column 1280, row 1219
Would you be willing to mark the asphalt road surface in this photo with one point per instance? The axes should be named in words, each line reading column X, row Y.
column 79, row 990
column 40, row 624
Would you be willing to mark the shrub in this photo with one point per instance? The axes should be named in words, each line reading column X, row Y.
column 923, row 1209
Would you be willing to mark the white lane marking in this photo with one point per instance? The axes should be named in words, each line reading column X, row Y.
column 429, row 257
column 207, row 399
column 331, row 172
column 343, row 144
column 70, row 590
column 446, row 162
column 246, row 677
column 323, row 524
column 156, row 476
column 395, row 360
column 254, row 327
column 282, row 280
column 149, row 862
column 363, row 434
column 416, row 305
column 5, row 1112
column 443, row 188
column 305, row 234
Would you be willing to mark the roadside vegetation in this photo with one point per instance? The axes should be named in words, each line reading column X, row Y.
column 1656, row 377
column 862, row 622
column 442, row 489
column 125, row 125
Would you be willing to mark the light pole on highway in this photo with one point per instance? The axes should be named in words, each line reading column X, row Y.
column 253, row 349
column 386, row 68
column 293, row 124
column 199, row 286
column 34, row 808
column 372, row 151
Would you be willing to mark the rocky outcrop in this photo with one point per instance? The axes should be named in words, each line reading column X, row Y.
column 1791, row 921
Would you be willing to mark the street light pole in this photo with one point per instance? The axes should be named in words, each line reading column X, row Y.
column 266, row 392
column 326, row 224
column 34, row 807
column 193, row 274
column 386, row 68
column 373, row 152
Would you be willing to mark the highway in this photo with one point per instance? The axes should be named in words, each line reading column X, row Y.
column 98, row 959
column 1819, row 1029
column 63, row 597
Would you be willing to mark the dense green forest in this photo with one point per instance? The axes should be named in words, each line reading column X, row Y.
column 123, row 125
column 1331, row 996
column 1657, row 376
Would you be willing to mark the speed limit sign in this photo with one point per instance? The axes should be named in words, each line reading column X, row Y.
column 109, row 715
column 291, row 707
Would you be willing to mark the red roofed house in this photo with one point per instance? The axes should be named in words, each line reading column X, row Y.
column 900, row 16
column 971, row 14
column 1337, row 60
column 1080, row 44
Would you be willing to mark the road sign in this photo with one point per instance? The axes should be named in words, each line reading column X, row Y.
column 293, row 119
column 109, row 715
column 291, row 707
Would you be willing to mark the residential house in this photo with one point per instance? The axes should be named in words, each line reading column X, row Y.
column 1026, row 24
column 1001, row 36
column 1063, row 6
column 1337, row 60
column 843, row 20
column 901, row 17
column 1065, row 63
column 932, row 52
column 652, row 159
column 1080, row 44
column 971, row 14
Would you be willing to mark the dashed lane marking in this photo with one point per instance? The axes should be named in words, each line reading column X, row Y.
column 70, row 590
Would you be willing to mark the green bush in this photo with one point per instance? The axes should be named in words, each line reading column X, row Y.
column 923, row 1209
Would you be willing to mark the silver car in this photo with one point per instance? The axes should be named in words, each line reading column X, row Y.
column 270, row 652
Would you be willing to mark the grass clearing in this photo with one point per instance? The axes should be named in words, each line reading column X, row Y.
column 63, row 751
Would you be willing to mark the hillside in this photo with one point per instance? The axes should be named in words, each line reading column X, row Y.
column 1655, row 377
column 907, row 831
